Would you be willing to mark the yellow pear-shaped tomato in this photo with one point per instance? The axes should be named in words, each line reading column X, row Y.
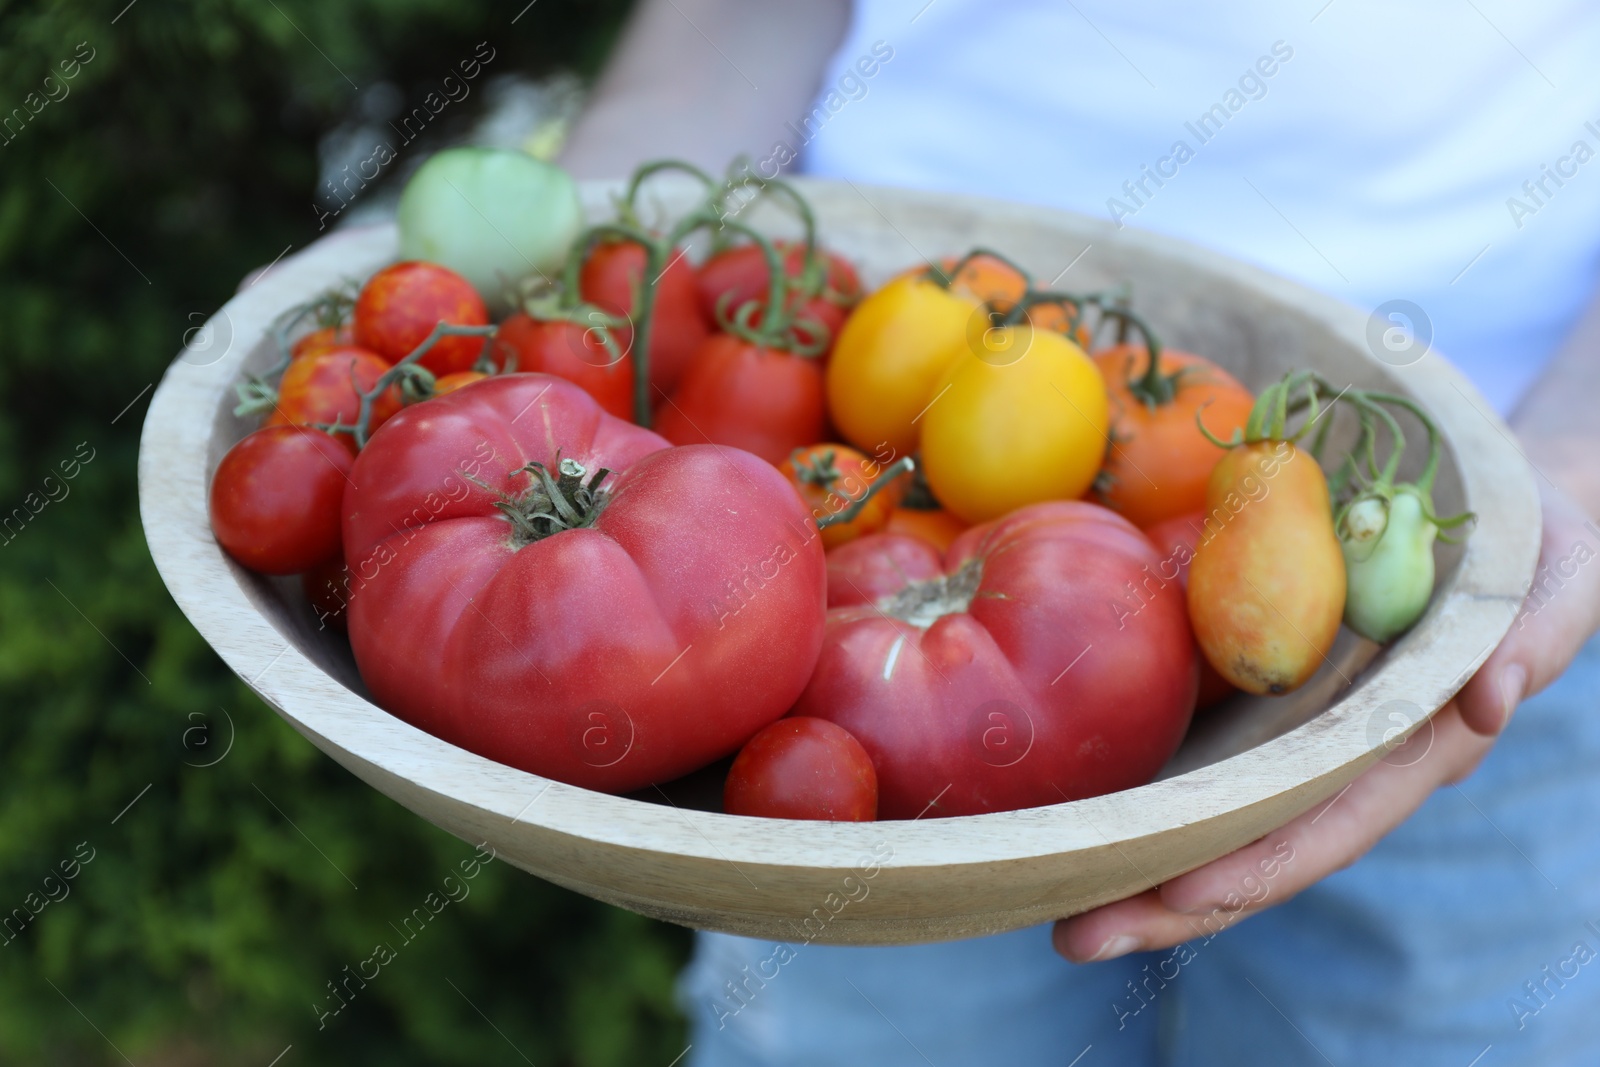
column 1019, row 417
column 888, row 357
column 1267, row 585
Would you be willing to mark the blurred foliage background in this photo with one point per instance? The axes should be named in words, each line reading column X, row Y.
column 207, row 926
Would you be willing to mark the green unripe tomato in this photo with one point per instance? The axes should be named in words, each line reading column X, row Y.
column 1390, row 582
column 492, row 215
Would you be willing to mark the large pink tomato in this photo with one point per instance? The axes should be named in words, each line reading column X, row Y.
column 1041, row 659
column 557, row 589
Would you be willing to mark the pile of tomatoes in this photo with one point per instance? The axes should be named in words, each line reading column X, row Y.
column 906, row 552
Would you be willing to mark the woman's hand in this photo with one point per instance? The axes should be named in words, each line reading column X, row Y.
column 1560, row 615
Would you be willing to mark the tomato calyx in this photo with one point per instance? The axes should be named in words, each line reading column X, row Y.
column 821, row 471
column 923, row 603
column 567, row 500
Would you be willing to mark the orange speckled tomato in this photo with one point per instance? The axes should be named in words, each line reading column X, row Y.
column 1267, row 586
column 323, row 339
column 1019, row 418
column 451, row 382
column 1158, row 463
column 321, row 390
column 936, row 526
column 400, row 305
column 831, row 478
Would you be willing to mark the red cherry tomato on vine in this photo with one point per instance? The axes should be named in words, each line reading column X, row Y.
column 612, row 276
column 738, row 393
column 321, row 389
column 572, row 351
column 400, row 305
column 739, row 274
column 802, row 768
column 831, row 478
column 275, row 499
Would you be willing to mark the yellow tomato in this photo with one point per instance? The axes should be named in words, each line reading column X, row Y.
column 890, row 354
column 1020, row 416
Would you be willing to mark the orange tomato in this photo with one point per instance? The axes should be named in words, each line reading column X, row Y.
column 1176, row 538
column 451, row 382
column 936, row 526
column 830, row 478
column 986, row 279
column 323, row 339
column 1158, row 463
column 1267, row 585
column 321, row 390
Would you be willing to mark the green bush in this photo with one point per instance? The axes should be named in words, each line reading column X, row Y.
column 212, row 913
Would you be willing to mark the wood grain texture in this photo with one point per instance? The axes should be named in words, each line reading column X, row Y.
column 1245, row 769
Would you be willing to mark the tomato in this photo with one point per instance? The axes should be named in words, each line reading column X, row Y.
column 994, row 677
column 677, row 612
column 889, row 357
column 831, row 478
column 451, row 382
column 275, row 499
column 988, row 279
column 401, row 304
column 739, row 274
column 327, row 587
column 572, row 351
column 323, row 339
column 747, row 395
column 1019, row 418
column 1267, row 585
column 936, row 526
column 802, row 768
column 320, row 390
column 1387, row 542
column 1158, row 463
column 610, row 279
column 1175, row 539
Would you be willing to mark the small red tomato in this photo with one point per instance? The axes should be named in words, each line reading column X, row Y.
column 1176, row 539
column 749, row 396
column 451, row 382
column 400, row 305
column 937, row 526
column 275, row 499
column 319, row 390
column 802, row 768
column 613, row 273
column 327, row 586
column 572, row 351
column 739, row 274
column 325, row 339
column 831, row 478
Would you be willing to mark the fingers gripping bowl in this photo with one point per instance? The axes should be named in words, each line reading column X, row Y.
column 1246, row 768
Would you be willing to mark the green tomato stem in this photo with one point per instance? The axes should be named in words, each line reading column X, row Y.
column 889, row 474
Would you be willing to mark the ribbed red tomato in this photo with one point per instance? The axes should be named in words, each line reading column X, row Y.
column 609, row 630
column 996, row 677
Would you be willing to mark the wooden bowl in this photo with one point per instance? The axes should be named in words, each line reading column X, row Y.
column 1245, row 769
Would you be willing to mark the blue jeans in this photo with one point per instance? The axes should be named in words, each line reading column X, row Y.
column 1468, row 936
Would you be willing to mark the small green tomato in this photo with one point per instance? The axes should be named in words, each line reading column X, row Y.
column 1391, row 581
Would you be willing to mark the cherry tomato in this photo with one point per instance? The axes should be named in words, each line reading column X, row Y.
column 1175, row 539
column 934, row 525
column 831, row 478
column 1267, row 585
column 323, row 339
column 1158, row 463
column 275, row 499
column 327, row 586
column 985, row 278
column 994, row 677
column 610, row 279
column 322, row 389
column 401, row 304
column 802, row 768
column 649, row 624
column 737, row 275
column 737, row 393
column 572, row 351
column 1019, row 417
column 451, row 382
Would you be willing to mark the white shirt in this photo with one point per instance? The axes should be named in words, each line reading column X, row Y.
column 1383, row 157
